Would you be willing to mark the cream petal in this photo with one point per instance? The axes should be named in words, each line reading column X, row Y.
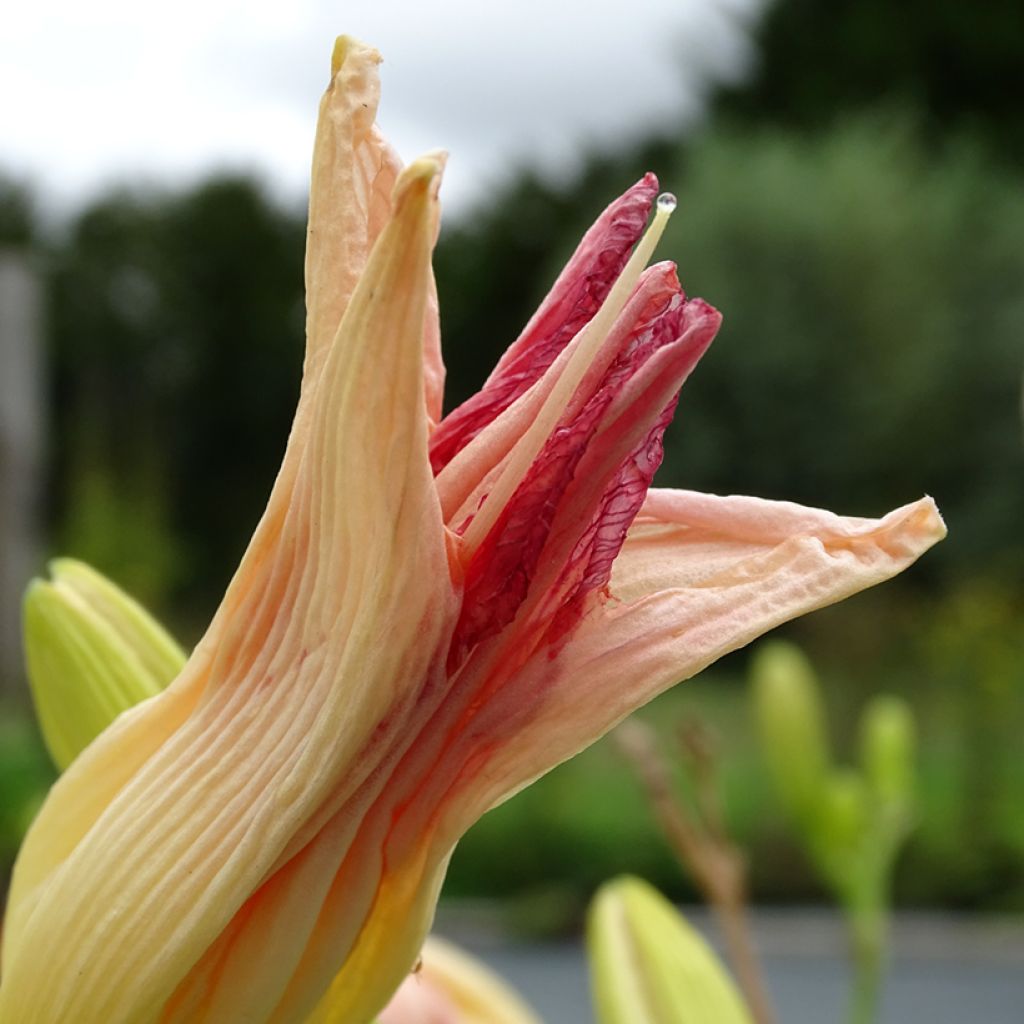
column 354, row 172
column 163, row 829
column 698, row 577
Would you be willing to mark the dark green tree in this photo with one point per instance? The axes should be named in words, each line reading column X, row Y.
column 958, row 65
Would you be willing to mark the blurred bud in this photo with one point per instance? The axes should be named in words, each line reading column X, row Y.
column 888, row 740
column 842, row 816
column 91, row 652
column 451, row 987
column 648, row 966
column 791, row 722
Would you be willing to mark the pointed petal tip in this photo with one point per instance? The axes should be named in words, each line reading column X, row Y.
column 422, row 177
column 346, row 46
column 666, row 270
column 46, row 587
column 37, row 590
column 649, row 182
column 923, row 520
column 700, row 308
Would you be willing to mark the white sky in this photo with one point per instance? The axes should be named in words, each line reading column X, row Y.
column 125, row 90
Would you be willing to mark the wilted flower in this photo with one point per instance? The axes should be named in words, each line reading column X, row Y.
column 429, row 616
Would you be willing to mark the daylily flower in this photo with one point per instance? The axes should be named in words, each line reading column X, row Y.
column 430, row 614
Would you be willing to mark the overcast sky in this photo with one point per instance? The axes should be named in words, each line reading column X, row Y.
column 126, row 90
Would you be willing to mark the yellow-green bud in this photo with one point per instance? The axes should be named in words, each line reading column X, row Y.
column 91, row 652
column 791, row 723
column 843, row 813
column 888, row 741
column 648, row 966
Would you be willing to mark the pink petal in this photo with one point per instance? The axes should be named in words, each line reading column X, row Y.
column 698, row 577
column 644, row 370
column 573, row 300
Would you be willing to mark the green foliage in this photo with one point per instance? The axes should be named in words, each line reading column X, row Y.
column 972, row 650
column 25, row 775
column 176, row 327
column 852, row 823
column 959, row 64
column 871, row 345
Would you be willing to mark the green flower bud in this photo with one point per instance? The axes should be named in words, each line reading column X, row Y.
column 648, row 966
column 791, row 723
column 842, row 817
column 888, row 741
column 91, row 653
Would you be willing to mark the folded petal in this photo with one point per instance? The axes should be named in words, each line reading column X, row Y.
column 467, row 478
column 574, row 299
column 699, row 576
column 354, row 172
column 159, row 837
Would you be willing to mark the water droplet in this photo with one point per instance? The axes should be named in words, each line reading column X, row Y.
column 666, row 202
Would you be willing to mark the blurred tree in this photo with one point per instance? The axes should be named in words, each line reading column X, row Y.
column 17, row 212
column 871, row 345
column 177, row 326
column 233, row 284
column 958, row 64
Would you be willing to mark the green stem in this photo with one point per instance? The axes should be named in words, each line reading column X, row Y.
column 868, row 933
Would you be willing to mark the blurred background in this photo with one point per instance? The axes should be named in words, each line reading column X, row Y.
column 850, row 179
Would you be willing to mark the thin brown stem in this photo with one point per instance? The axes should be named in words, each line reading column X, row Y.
column 699, row 839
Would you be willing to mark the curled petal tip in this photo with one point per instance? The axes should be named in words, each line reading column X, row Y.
column 341, row 45
column 920, row 524
column 345, row 45
column 422, row 176
column 931, row 518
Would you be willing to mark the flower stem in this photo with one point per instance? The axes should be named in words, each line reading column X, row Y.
column 868, row 942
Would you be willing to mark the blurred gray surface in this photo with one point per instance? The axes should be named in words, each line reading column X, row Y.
column 946, row 970
column 21, row 446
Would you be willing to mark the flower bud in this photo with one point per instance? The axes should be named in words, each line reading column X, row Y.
column 791, row 722
column 842, row 816
column 648, row 966
column 887, row 749
column 91, row 653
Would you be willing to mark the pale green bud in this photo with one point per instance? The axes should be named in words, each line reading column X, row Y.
column 791, row 723
column 648, row 966
column 91, row 653
column 888, row 741
column 842, row 817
